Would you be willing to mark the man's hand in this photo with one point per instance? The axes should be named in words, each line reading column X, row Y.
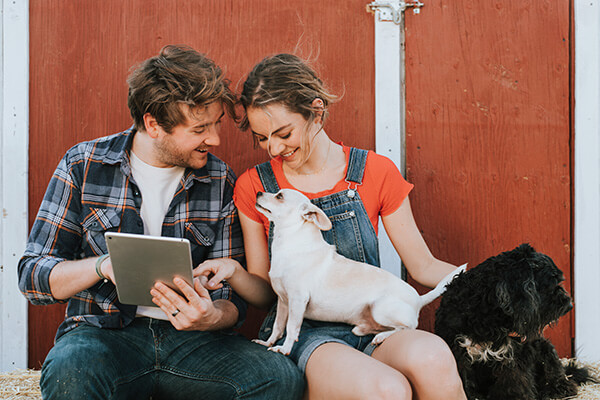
column 195, row 311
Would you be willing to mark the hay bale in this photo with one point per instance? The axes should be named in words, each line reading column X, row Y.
column 590, row 391
column 20, row 385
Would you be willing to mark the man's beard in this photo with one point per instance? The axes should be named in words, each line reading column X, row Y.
column 171, row 155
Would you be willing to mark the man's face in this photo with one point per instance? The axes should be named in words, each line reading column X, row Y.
column 189, row 142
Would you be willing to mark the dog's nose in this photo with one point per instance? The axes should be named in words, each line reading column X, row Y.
column 259, row 194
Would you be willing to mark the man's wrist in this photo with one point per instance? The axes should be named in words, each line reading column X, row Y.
column 226, row 314
column 98, row 267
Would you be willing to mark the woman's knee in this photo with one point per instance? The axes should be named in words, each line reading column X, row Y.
column 432, row 364
column 392, row 386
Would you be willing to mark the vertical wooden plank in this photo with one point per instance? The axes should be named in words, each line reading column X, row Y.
column 81, row 52
column 488, row 131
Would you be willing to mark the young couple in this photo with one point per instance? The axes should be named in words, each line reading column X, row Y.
column 159, row 178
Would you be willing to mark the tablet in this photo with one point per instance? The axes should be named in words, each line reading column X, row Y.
column 139, row 261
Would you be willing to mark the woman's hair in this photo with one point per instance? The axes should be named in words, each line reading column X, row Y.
column 178, row 75
column 287, row 80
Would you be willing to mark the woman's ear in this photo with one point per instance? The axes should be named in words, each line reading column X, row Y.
column 319, row 106
column 151, row 125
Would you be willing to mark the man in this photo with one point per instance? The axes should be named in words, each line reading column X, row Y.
column 155, row 178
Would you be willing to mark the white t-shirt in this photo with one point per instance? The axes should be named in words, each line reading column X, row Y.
column 157, row 187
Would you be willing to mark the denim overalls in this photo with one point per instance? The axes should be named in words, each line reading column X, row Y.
column 353, row 236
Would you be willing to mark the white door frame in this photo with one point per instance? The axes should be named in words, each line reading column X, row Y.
column 389, row 105
column 586, row 244
column 14, row 138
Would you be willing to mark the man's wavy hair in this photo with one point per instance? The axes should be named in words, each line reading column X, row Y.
column 178, row 75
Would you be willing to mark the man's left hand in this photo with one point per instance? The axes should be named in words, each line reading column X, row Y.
column 195, row 311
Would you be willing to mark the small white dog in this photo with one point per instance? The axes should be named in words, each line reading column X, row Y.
column 313, row 281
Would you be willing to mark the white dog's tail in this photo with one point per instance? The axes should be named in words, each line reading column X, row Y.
column 441, row 287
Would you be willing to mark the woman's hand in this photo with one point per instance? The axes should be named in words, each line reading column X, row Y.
column 213, row 272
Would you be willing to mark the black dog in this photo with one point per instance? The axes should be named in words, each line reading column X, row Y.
column 492, row 317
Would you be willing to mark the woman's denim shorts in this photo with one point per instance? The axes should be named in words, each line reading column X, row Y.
column 315, row 333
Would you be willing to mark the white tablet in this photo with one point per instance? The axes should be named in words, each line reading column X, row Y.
column 139, row 261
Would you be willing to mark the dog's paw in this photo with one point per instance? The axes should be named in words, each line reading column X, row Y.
column 359, row 331
column 380, row 337
column 263, row 342
column 280, row 349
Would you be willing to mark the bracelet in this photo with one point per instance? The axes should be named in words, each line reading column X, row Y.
column 99, row 264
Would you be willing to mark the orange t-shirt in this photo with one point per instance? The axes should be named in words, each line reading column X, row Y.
column 382, row 191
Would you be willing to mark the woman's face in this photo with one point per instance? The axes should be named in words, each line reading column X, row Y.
column 280, row 132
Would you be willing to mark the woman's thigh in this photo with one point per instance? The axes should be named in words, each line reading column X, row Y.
column 337, row 371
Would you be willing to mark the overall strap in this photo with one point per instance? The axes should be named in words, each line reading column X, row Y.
column 267, row 177
column 356, row 165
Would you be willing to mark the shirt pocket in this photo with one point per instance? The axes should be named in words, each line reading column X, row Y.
column 201, row 237
column 95, row 222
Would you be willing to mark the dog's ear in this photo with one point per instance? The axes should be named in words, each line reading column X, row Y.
column 314, row 214
column 519, row 299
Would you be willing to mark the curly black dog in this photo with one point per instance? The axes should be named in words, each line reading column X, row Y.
column 492, row 317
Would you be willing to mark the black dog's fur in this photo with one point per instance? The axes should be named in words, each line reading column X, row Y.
column 492, row 317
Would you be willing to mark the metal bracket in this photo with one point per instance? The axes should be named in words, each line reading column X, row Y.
column 392, row 10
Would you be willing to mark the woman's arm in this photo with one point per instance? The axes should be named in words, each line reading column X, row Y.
column 252, row 285
column 408, row 242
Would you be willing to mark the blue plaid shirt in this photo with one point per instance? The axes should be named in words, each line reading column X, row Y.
column 93, row 191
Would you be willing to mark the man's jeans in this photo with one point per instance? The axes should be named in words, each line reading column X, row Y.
column 150, row 359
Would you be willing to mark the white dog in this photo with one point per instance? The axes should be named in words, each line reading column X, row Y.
column 313, row 281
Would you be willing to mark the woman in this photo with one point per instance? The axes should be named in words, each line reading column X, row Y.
column 286, row 108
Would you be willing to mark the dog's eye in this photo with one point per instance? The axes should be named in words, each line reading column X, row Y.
column 279, row 196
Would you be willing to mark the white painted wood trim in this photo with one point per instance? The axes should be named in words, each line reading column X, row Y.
column 587, row 180
column 389, row 113
column 13, row 180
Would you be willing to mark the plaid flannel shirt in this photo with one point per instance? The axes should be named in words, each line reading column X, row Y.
column 93, row 191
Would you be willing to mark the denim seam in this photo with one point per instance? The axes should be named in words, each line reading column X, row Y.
column 128, row 379
column 211, row 378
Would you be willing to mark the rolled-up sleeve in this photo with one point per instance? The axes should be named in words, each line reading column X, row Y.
column 54, row 237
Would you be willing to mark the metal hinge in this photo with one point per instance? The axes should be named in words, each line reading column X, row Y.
column 392, row 10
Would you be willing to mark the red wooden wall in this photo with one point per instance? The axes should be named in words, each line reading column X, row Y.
column 489, row 130
column 488, row 125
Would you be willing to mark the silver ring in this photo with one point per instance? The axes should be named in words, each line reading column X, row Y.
column 175, row 313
